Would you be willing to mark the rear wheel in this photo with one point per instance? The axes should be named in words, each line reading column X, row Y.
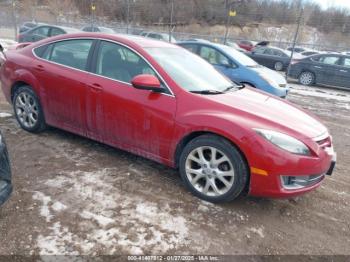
column 213, row 169
column 307, row 78
column 28, row 110
column 278, row 66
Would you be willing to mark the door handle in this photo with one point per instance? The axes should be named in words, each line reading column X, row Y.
column 344, row 71
column 96, row 87
column 319, row 67
column 39, row 68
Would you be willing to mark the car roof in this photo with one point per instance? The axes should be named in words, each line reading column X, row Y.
column 131, row 40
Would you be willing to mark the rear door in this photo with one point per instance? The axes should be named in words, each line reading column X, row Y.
column 328, row 70
column 61, row 70
column 344, row 72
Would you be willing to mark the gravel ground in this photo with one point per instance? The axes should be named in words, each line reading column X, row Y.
column 75, row 196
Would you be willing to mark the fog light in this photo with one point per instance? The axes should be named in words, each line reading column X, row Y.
column 297, row 182
column 3, row 185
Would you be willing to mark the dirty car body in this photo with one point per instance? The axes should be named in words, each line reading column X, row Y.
column 165, row 103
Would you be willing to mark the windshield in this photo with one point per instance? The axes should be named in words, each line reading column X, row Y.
column 188, row 70
column 240, row 57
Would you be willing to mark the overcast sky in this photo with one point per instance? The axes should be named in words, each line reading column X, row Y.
column 335, row 3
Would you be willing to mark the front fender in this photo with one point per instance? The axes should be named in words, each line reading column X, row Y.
column 218, row 123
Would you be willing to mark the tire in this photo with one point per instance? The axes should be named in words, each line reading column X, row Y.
column 28, row 110
column 278, row 66
column 307, row 78
column 204, row 177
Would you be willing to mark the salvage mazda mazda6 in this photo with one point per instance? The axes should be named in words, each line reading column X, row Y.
column 162, row 102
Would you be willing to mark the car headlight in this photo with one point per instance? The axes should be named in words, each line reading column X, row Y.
column 284, row 141
column 269, row 80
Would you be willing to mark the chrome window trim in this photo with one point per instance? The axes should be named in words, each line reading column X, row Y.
column 108, row 40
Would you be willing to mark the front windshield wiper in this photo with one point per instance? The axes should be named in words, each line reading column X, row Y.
column 206, row 92
column 236, row 87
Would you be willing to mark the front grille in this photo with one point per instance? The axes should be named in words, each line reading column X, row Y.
column 297, row 182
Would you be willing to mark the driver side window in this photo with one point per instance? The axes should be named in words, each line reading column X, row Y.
column 120, row 63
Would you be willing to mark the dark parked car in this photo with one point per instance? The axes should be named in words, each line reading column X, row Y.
column 44, row 31
column 5, row 172
column 100, row 29
column 297, row 49
column 27, row 26
column 327, row 69
column 271, row 57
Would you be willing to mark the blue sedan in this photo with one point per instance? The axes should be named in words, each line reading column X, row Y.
column 239, row 67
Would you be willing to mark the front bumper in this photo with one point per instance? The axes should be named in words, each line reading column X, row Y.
column 291, row 175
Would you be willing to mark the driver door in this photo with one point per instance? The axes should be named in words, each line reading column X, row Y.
column 136, row 120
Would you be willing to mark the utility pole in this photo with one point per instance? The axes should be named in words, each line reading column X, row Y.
column 127, row 16
column 171, row 19
column 227, row 10
column 301, row 12
column 14, row 18
column 92, row 10
column 229, row 13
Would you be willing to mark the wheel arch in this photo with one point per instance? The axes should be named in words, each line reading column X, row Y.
column 309, row 71
column 16, row 86
column 189, row 137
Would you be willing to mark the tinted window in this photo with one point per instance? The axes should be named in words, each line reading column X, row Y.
column 73, row 53
column 42, row 31
column 191, row 47
column 56, row 31
column 120, row 63
column 330, row 60
column 39, row 51
column 213, row 56
column 259, row 50
column 346, row 62
column 156, row 36
column 277, row 52
column 268, row 52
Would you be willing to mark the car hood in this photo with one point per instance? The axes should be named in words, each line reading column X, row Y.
column 277, row 77
column 261, row 110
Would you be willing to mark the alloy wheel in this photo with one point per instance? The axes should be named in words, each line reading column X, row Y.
column 209, row 171
column 306, row 78
column 26, row 109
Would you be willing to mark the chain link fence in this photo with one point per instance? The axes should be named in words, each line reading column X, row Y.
column 178, row 18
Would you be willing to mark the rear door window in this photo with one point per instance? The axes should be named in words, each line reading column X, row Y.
column 41, row 31
column 191, row 47
column 56, row 31
column 330, row 60
column 72, row 53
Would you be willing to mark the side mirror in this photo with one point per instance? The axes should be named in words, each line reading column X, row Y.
column 1, row 49
column 147, row 82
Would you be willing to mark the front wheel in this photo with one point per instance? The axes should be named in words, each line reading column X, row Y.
column 278, row 66
column 28, row 110
column 307, row 78
column 213, row 169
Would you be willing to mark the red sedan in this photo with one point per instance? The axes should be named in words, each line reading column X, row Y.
column 162, row 102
